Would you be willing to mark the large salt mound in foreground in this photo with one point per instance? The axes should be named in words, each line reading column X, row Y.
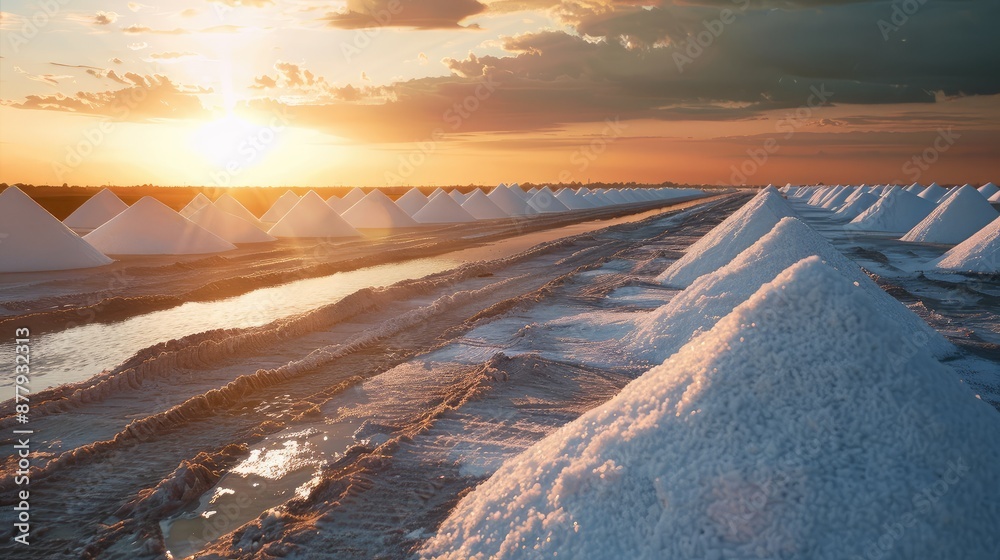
column 280, row 207
column 96, row 211
column 979, row 253
column 312, row 217
column 790, row 430
column 377, row 211
column 896, row 212
column 956, row 219
column 715, row 295
column 229, row 227
column 150, row 227
column 728, row 239
column 32, row 240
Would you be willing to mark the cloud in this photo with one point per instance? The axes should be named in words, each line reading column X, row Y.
column 422, row 59
column 145, row 98
column 419, row 14
column 136, row 29
column 190, row 12
column 138, row 46
column 105, row 18
column 244, row 3
column 135, row 6
column 51, row 79
column 173, row 56
column 115, row 60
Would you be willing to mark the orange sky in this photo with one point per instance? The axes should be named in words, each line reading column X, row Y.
column 390, row 92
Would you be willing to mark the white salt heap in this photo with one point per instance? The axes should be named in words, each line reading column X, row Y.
column 197, row 203
column 915, row 188
column 229, row 227
column 896, row 212
column 988, row 190
column 833, row 202
column 411, row 201
column 280, row 207
column 962, row 214
column 442, row 209
column 715, row 295
column 353, row 197
column 338, row 204
column 510, row 202
column 377, row 211
column 852, row 209
column 979, row 253
column 32, row 240
column 789, row 430
column 728, row 239
column 150, row 227
column 481, row 207
column 545, row 202
column 933, row 193
column 234, row 207
column 96, row 211
column 312, row 217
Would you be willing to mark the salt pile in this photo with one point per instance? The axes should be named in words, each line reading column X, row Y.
column 338, row 204
column 915, row 188
column 458, row 197
column 312, row 217
column 715, row 295
column 229, row 227
column 933, row 193
column 197, row 203
column 728, row 239
column 378, row 211
column 234, row 207
column 511, row 203
column 32, row 240
column 988, row 190
column 150, row 227
column 482, row 208
column 786, row 431
column 353, row 197
column 573, row 200
column 995, row 198
column 818, row 195
column 411, row 201
column 517, row 190
column 896, row 212
column 835, row 200
column 615, row 196
column 963, row 213
column 96, row 211
column 442, row 209
column 545, row 202
column 280, row 207
column 852, row 209
column 979, row 253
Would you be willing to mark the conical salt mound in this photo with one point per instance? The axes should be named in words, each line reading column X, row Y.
column 458, row 196
column 197, row 203
column 229, row 227
column 956, row 219
column 615, row 197
column 150, row 227
column 574, row 201
column 933, row 192
column 786, row 431
column 728, row 239
column 979, row 253
column 353, row 197
column 280, row 207
column 832, row 202
column 312, row 217
column 96, row 211
column 915, row 188
column 852, row 209
column 377, row 211
column 32, row 240
column 234, row 207
column 482, row 208
column 995, row 198
column 338, row 204
column 896, row 212
column 516, row 189
column 411, row 201
column 546, row 203
column 442, row 209
column 715, row 295
column 819, row 195
column 988, row 190
column 509, row 202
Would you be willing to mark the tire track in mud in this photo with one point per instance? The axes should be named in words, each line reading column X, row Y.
column 164, row 494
